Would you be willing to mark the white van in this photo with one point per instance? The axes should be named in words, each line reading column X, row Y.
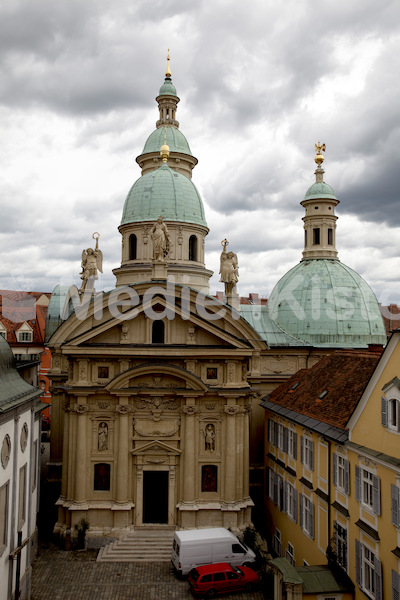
column 194, row 547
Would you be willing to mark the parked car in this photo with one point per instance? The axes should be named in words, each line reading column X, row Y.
column 220, row 578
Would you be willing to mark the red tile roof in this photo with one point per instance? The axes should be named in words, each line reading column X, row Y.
column 343, row 375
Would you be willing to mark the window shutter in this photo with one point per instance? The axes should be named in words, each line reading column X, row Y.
column 358, row 484
column 295, row 505
column 301, row 509
column 376, row 495
column 276, row 434
column 378, row 578
column 395, row 586
column 384, row 411
column 285, row 496
column 275, row 497
column 301, row 449
column 285, row 439
column 295, row 445
column 312, row 456
column 271, row 438
column 312, row 520
column 347, row 477
column 358, row 562
column 334, row 469
column 395, row 497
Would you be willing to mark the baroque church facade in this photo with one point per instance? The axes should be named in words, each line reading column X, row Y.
column 156, row 385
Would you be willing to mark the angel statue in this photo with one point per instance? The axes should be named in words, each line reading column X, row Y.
column 92, row 261
column 229, row 269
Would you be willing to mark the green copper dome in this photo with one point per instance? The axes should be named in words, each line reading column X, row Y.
column 327, row 304
column 167, row 88
column 175, row 140
column 164, row 192
column 318, row 191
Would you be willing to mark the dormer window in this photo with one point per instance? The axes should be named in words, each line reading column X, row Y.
column 3, row 331
column 25, row 336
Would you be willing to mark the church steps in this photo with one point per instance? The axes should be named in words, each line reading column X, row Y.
column 139, row 546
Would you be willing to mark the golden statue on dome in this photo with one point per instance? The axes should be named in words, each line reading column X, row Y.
column 319, row 148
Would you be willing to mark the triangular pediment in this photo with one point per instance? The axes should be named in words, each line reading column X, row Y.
column 156, row 447
column 188, row 322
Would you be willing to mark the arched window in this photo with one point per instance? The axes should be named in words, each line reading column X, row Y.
column 132, row 246
column 193, row 247
column 158, row 332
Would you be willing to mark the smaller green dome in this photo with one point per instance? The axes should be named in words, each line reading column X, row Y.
column 175, row 140
column 167, row 88
column 164, row 192
column 319, row 190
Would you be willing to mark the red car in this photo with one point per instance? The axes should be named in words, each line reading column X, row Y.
column 210, row 580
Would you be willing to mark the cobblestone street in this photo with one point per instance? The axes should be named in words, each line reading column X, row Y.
column 75, row 575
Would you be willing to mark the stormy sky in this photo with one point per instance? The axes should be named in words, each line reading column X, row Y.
column 260, row 82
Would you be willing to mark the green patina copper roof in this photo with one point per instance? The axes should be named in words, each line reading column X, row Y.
column 60, row 308
column 167, row 88
column 164, row 192
column 175, row 140
column 258, row 317
column 326, row 304
column 319, row 190
column 13, row 389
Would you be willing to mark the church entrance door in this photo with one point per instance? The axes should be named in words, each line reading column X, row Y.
column 155, row 496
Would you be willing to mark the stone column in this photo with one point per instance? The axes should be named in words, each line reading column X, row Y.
column 231, row 409
column 123, row 409
column 81, row 409
column 189, row 454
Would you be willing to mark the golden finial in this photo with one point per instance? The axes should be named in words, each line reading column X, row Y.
column 168, row 71
column 319, row 148
column 164, row 152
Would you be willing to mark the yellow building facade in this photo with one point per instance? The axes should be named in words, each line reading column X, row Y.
column 333, row 485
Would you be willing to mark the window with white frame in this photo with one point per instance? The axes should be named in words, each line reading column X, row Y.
column 292, row 443
column 271, row 482
column 341, row 473
column 291, row 501
column 280, row 436
column 368, row 489
column 368, row 571
column 390, row 408
column 307, row 515
column 307, row 452
column 271, row 431
column 277, row 542
column 25, row 336
column 3, row 331
column 341, row 545
column 289, row 554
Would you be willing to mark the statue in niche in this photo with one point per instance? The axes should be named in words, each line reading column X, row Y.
column 103, row 436
column 229, row 269
column 161, row 240
column 92, row 262
column 210, row 437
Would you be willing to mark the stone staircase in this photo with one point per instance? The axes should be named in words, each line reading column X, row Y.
column 143, row 545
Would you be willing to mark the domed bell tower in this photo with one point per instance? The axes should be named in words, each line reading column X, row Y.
column 320, row 219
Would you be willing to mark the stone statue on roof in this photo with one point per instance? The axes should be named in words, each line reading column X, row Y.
column 92, row 262
column 229, row 269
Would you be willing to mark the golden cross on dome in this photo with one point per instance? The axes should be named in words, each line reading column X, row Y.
column 319, row 148
column 168, row 71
